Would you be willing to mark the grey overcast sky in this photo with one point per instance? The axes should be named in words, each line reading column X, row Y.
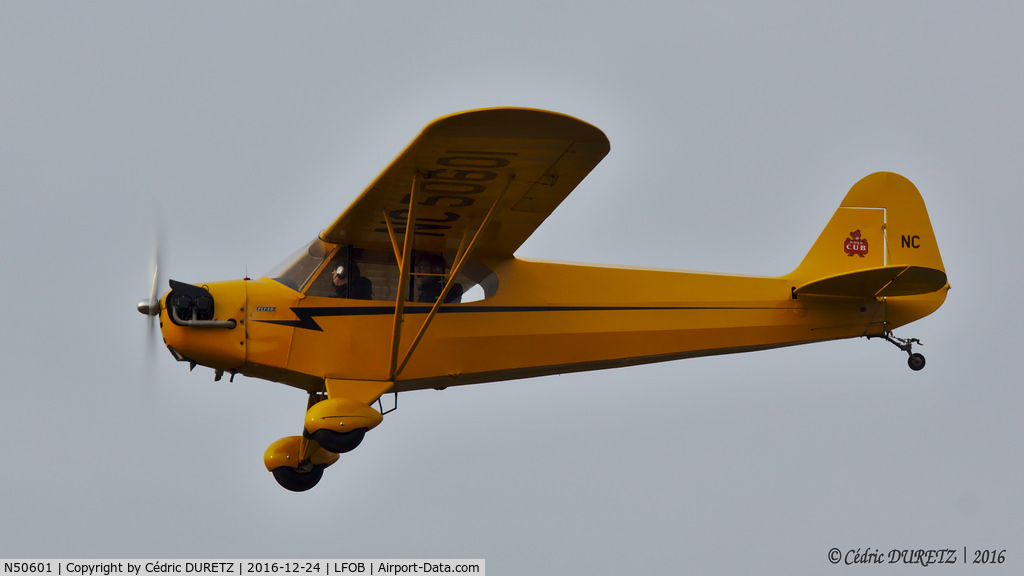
column 736, row 130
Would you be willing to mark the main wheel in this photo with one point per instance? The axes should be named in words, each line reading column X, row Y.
column 338, row 442
column 296, row 481
column 916, row 361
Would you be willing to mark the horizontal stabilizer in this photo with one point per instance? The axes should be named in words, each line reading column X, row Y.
column 898, row 280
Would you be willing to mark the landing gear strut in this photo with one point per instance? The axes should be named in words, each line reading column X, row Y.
column 916, row 359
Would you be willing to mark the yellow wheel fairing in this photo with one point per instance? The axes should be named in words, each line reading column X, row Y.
column 286, row 452
column 341, row 415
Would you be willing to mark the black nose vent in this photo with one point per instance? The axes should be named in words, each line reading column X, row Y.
column 190, row 302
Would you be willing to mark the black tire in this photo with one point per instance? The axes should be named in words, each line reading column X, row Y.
column 291, row 479
column 338, row 442
column 916, row 361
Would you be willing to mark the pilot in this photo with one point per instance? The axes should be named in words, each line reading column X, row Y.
column 431, row 283
column 348, row 283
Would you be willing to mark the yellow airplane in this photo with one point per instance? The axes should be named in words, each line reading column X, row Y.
column 416, row 286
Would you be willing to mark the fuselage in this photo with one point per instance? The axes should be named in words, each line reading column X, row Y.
column 543, row 318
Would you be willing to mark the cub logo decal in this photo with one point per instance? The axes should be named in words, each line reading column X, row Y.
column 855, row 245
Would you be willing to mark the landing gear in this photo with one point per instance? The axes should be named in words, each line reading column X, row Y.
column 333, row 426
column 280, row 458
column 298, row 479
column 916, row 359
column 297, row 464
column 338, row 442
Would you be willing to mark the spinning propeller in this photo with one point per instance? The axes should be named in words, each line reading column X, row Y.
column 151, row 306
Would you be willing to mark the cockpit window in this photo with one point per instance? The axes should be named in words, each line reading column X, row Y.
column 432, row 270
column 363, row 274
column 343, row 277
column 478, row 281
column 295, row 271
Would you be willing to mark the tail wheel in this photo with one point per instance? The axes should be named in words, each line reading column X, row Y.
column 338, row 442
column 297, row 480
column 916, row 360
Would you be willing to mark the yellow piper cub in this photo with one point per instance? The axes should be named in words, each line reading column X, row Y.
column 416, row 286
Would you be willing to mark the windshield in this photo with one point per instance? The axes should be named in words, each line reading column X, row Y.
column 297, row 268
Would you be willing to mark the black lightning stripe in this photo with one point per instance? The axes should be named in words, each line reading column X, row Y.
column 307, row 316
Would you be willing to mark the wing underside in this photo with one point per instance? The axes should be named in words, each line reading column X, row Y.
column 520, row 162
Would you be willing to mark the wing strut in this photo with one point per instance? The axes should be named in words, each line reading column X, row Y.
column 403, row 275
column 460, row 258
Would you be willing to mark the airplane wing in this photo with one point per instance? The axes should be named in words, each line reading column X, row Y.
column 522, row 162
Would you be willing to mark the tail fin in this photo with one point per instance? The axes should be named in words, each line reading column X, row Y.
column 878, row 243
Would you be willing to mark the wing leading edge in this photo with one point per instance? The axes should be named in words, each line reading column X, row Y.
column 521, row 162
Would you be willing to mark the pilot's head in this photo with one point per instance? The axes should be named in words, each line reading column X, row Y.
column 339, row 277
column 430, row 264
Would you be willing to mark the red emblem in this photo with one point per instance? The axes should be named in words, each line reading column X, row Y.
column 855, row 245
